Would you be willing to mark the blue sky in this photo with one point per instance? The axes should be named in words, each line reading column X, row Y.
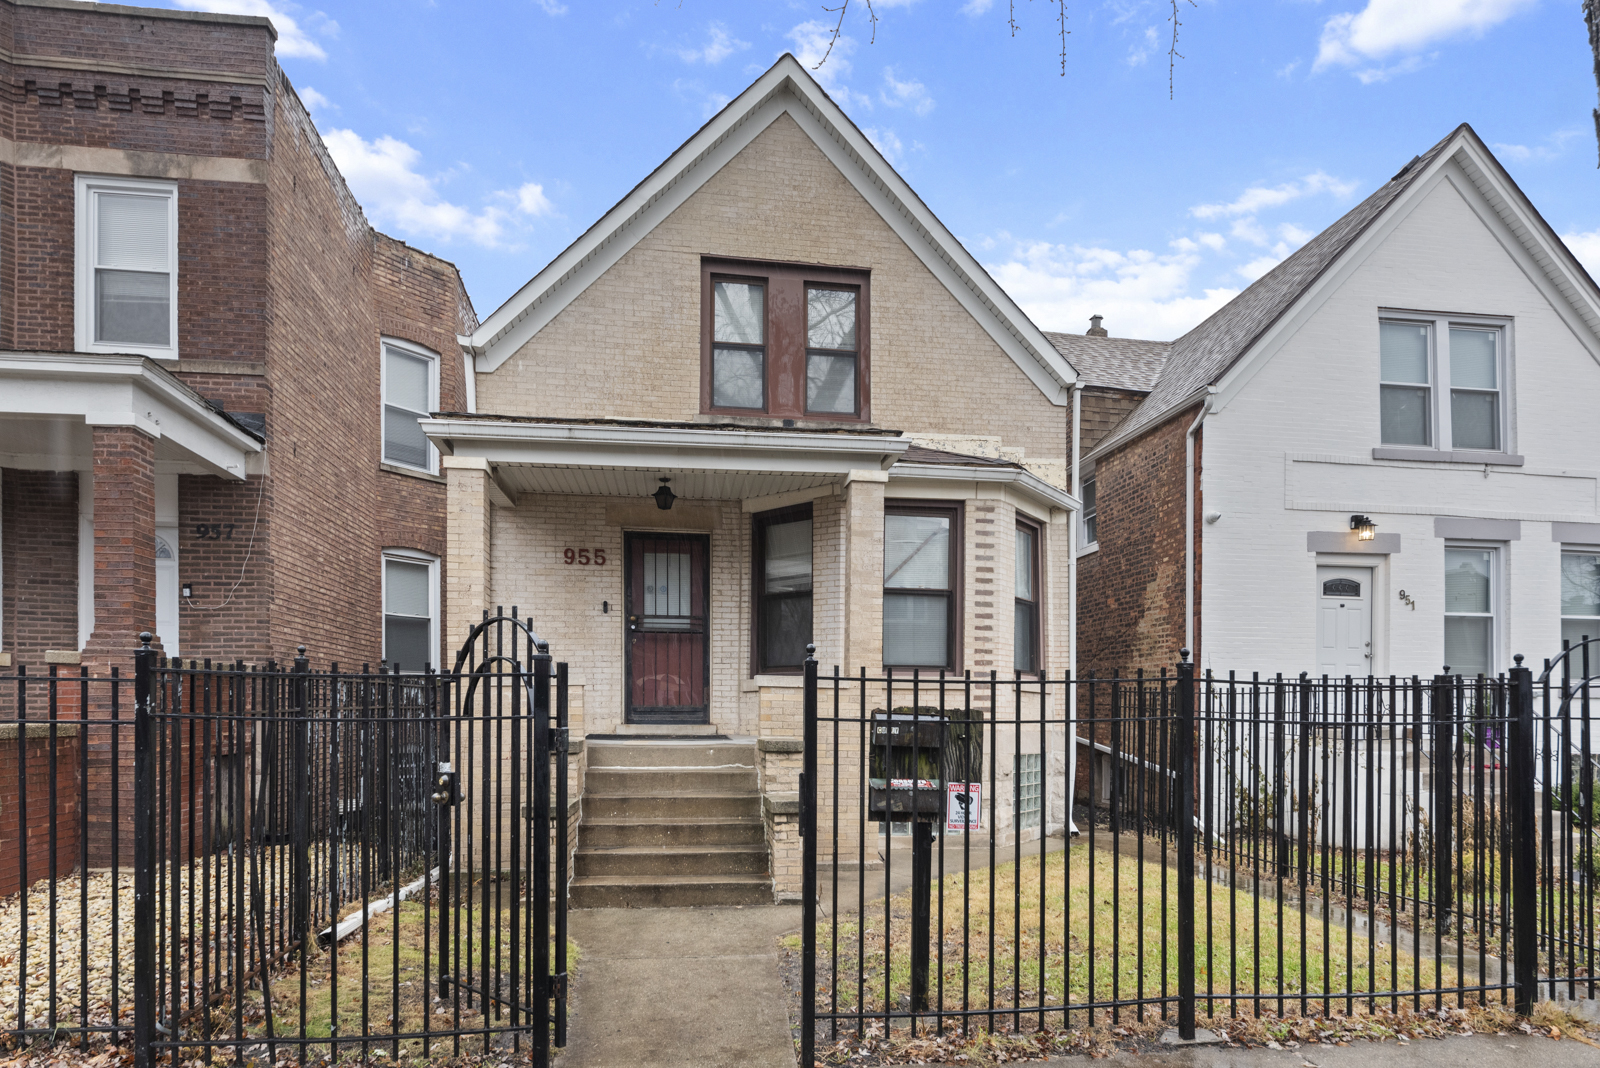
column 494, row 132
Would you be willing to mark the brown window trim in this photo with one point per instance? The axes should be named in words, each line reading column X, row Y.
column 1037, row 565
column 956, row 511
column 785, row 305
column 758, row 577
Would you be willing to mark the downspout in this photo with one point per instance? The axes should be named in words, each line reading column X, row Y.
column 1076, row 520
column 1188, row 520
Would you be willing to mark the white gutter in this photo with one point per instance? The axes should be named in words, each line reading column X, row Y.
column 1188, row 519
column 1022, row 478
column 1072, row 600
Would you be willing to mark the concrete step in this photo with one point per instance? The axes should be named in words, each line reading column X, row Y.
column 605, row 832
column 656, row 892
column 676, row 753
column 686, row 806
column 672, row 862
column 654, row 782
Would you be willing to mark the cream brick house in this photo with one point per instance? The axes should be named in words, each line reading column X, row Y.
column 766, row 401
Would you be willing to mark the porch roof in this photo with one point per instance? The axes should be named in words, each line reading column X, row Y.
column 50, row 400
column 626, row 457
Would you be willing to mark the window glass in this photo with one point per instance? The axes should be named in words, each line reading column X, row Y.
column 1025, row 617
column 132, row 278
column 1472, row 359
column 1474, row 420
column 785, row 608
column 1469, row 606
column 132, row 308
column 1474, row 385
column 407, row 387
column 830, row 383
column 407, row 614
column 1029, row 789
column 738, row 378
column 830, row 318
column 1404, row 409
column 1580, row 597
column 1024, row 572
column 739, row 308
column 916, row 626
column 1404, row 349
column 1090, row 512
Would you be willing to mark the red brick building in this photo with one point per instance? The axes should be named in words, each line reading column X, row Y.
column 210, row 363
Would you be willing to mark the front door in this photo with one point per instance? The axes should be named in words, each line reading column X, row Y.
column 1344, row 621
column 666, row 652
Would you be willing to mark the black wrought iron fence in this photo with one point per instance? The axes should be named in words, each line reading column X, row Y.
column 1186, row 845
column 217, row 860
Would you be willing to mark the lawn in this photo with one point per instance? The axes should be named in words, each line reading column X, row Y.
column 1098, row 940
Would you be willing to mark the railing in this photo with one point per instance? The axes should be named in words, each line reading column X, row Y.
column 1208, row 845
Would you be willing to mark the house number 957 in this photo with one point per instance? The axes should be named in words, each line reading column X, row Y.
column 584, row 556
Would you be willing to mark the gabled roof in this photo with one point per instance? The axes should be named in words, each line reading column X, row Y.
column 1113, row 362
column 1205, row 355
column 786, row 88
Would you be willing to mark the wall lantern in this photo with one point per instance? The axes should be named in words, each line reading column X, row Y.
column 664, row 496
column 1364, row 527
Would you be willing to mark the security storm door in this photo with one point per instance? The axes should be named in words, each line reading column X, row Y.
column 1344, row 621
column 666, row 651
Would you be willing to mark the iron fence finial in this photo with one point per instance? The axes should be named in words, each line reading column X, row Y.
column 145, row 638
column 1183, row 654
column 1518, row 658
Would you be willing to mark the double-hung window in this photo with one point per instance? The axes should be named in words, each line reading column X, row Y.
column 1025, row 631
column 410, row 393
column 127, row 266
column 410, row 609
column 919, row 586
column 1580, row 599
column 784, row 341
column 1090, row 514
column 783, row 588
column 1471, row 603
column 1442, row 385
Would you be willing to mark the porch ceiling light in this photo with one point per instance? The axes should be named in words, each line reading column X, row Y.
column 664, row 496
column 1364, row 527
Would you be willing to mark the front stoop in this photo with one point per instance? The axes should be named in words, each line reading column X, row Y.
column 671, row 823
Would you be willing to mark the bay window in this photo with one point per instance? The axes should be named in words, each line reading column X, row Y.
column 920, row 549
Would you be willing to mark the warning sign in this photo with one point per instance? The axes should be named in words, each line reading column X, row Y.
column 964, row 807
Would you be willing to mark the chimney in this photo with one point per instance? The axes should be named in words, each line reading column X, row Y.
column 1095, row 329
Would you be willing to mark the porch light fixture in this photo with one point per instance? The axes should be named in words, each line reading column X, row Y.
column 1364, row 527
column 664, row 496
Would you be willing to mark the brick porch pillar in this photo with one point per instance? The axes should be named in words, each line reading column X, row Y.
column 124, row 605
column 469, row 567
column 863, row 586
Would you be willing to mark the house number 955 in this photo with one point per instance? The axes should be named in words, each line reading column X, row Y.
column 584, row 556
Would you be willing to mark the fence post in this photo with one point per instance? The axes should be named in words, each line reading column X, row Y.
column 1524, row 842
column 808, row 867
column 144, row 861
column 1183, row 756
column 302, row 804
column 540, row 861
column 1444, row 728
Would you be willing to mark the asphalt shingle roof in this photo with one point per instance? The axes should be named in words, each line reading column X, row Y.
column 1203, row 355
column 1117, row 362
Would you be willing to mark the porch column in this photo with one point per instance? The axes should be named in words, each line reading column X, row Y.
column 863, row 586
column 124, row 545
column 469, row 515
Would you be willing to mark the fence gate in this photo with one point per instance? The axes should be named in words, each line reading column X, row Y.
column 336, row 864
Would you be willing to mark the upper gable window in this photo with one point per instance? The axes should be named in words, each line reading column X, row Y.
column 1442, row 384
column 784, row 341
column 127, row 260
column 410, row 392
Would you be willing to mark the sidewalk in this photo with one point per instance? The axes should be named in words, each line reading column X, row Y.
column 1478, row 1051
column 680, row 988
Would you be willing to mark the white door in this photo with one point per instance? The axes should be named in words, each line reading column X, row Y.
column 1344, row 620
column 167, row 589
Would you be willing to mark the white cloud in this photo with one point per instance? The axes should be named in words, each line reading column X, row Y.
column 910, row 94
column 718, row 47
column 1586, row 246
column 1554, row 147
column 710, row 100
column 1386, row 27
column 1141, row 293
column 976, row 7
column 293, row 41
column 1146, row 48
column 315, row 101
column 1375, row 75
column 811, row 45
column 1260, row 197
column 1287, row 69
column 552, row 7
column 384, row 176
column 886, row 142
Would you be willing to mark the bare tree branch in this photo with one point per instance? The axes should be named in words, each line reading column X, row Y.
column 1064, row 32
column 1173, row 55
column 838, row 28
column 1591, row 18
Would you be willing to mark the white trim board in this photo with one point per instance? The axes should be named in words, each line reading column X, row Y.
column 785, row 89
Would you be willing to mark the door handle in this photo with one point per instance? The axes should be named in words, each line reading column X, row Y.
column 633, row 622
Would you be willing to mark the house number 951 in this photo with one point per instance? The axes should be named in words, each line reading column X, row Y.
column 584, row 556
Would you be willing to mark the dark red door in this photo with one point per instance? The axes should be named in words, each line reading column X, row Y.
column 667, row 649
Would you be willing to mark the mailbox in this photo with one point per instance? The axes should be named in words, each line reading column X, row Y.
column 907, row 780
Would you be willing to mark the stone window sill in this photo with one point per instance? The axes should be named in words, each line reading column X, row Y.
column 1442, row 456
column 1085, row 550
column 394, row 469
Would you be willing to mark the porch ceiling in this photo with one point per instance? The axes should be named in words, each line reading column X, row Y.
column 641, row 482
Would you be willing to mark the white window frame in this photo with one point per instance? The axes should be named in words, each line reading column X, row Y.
column 88, row 188
column 1442, row 447
column 1578, row 550
column 1086, row 543
column 410, row 348
column 1496, row 613
column 410, row 556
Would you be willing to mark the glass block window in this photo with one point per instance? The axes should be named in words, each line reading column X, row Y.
column 1029, row 789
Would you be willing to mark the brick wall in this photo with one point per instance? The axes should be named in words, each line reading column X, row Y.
column 1131, row 592
column 39, row 561
column 41, row 755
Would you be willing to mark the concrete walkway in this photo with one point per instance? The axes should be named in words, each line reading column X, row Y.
column 1477, row 1051
column 680, row 988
